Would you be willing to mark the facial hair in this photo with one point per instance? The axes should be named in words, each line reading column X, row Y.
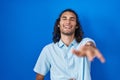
column 68, row 33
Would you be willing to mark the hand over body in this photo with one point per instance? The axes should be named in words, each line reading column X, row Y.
column 89, row 50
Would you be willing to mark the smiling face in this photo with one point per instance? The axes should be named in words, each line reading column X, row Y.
column 67, row 23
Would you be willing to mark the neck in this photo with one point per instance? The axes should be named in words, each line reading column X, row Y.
column 67, row 39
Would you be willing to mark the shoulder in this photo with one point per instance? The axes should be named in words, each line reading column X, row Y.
column 49, row 46
column 48, row 50
column 87, row 39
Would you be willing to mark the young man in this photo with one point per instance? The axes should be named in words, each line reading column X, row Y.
column 69, row 56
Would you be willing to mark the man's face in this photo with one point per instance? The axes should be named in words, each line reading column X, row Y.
column 67, row 23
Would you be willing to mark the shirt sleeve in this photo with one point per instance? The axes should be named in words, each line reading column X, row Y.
column 42, row 65
column 85, row 40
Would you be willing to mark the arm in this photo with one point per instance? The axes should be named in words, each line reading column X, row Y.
column 89, row 50
column 42, row 65
column 93, row 52
column 39, row 77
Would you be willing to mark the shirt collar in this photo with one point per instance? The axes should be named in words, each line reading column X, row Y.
column 61, row 44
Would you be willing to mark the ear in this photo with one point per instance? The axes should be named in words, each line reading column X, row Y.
column 58, row 25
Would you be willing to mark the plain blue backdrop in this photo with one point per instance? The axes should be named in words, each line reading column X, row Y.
column 26, row 26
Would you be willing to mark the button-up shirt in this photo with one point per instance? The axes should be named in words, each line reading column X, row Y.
column 62, row 63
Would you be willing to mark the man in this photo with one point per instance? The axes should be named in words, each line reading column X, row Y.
column 69, row 56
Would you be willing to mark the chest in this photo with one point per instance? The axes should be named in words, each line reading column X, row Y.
column 65, row 60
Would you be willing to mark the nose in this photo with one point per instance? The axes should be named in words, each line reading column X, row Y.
column 68, row 21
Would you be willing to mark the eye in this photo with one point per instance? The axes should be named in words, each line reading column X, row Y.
column 72, row 19
column 64, row 18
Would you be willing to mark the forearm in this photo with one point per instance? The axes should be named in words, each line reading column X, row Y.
column 39, row 77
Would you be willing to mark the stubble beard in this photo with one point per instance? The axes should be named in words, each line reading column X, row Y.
column 68, row 33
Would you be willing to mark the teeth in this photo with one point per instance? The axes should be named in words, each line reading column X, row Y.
column 68, row 27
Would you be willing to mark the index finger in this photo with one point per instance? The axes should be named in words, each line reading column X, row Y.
column 99, row 56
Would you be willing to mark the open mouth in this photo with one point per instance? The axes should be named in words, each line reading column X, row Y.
column 67, row 27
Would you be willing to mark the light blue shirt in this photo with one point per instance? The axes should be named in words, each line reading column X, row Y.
column 63, row 64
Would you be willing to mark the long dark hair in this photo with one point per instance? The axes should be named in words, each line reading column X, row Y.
column 78, row 31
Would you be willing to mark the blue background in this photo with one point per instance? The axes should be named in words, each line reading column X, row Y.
column 26, row 26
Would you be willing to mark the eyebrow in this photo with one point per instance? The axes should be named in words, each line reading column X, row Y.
column 63, row 17
column 70, row 17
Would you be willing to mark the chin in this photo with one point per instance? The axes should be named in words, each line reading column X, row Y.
column 67, row 33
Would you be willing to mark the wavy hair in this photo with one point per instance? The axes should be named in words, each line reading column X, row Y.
column 78, row 31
